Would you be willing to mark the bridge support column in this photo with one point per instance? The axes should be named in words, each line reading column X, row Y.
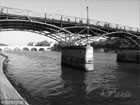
column 80, row 57
column 128, row 56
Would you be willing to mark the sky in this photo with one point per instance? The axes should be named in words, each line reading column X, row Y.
column 125, row 12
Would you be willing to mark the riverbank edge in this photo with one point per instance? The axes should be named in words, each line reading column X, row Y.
column 4, row 64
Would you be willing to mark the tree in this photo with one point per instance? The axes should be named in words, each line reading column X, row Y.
column 111, row 43
column 31, row 44
column 2, row 44
column 43, row 43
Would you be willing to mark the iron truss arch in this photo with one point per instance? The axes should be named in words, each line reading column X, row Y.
column 49, row 30
column 57, row 37
column 132, row 38
column 83, row 30
column 33, row 25
column 81, row 33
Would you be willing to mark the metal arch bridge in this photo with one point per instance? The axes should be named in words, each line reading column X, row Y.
column 67, row 29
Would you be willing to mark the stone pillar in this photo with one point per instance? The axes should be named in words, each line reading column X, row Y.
column 80, row 57
column 128, row 56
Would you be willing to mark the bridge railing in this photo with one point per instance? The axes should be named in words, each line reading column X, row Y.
column 28, row 13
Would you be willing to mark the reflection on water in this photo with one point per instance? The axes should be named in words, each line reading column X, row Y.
column 47, row 83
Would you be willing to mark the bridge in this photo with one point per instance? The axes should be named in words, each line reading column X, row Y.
column 25, row 48
column 71, row 32
column 67, row 29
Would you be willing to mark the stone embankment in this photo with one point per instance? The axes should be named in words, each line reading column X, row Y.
column 8, row 94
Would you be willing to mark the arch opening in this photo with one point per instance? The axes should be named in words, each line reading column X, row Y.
column 33, row 49
column 55, row 37
column 25, row 49
column 7, row 49
column 133, row 39
column 16, row 49
column 41, row 49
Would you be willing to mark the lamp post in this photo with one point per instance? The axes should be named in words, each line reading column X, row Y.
column 87, row 16
column 87, row 24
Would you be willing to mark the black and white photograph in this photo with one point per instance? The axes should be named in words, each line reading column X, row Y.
column 69, row 52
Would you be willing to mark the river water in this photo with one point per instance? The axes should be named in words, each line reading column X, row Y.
column 39, row 77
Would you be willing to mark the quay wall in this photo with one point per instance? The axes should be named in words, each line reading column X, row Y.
column 128, row 56
column 79, row 57
column 8, row 94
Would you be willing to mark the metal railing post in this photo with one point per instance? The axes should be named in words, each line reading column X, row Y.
column 61, row 21
column 45, row 17
column 7, row 13
column 75, row 20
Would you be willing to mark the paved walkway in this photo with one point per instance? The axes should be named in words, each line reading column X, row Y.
column 8, row 95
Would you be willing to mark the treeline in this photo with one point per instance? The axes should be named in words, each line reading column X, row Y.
column 42, row 43
column 2, row 44
column 58, row 46
column 107, row 44
column 111, row 43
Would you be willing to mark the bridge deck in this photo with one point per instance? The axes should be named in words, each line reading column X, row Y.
column 61, row 20
column 66, row 29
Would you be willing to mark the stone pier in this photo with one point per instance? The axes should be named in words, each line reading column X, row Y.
column 79, row 57
column 128, row 55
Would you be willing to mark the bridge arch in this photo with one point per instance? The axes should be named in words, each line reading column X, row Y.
column 33, row 49
column 25, row 49
column 132, row 38
column 16, row 49
column 41, row 49
column 7, row 49
column 32, row 25
column 54, row 37
column 83, row 30
column 45, row 29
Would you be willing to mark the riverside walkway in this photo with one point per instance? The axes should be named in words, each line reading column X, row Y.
column 8, row 95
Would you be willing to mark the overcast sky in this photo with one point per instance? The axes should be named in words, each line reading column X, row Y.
column 125, row 12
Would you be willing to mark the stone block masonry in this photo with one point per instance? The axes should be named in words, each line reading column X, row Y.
column 79, row 57
column 124, row 55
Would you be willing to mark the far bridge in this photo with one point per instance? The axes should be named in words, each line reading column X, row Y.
column 25, row 48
